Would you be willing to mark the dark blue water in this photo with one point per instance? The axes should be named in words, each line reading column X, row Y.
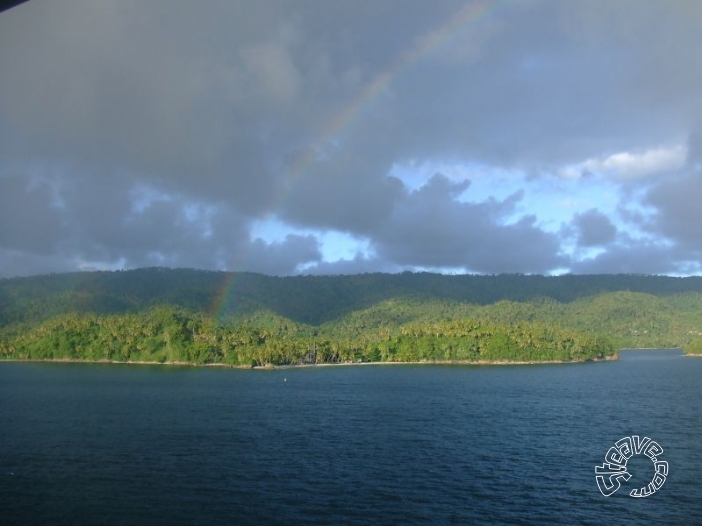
column 111, row 444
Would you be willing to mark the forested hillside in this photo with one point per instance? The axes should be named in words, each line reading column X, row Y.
column 245, row 318
column 304, row 299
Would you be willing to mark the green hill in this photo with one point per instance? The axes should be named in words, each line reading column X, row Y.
column 304, row 299
column 245, row 318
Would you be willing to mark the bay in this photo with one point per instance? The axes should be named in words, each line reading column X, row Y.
column 388, row 444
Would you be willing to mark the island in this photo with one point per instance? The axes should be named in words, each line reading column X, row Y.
column 250, row 320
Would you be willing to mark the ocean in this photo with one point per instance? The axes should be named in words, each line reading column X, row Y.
column 92, row 444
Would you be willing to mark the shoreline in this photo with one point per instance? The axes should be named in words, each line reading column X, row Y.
column 272, row 367
column 119, row 362
column 440, row 362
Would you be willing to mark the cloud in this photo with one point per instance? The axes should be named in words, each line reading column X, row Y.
column 282, row 258
column 359, row 264
column 594, row 229
column 632, row 165
column 274, row 74
column 343, row 193
column 678, row 215
column 137, row 133
column 25, row 263
column 431, row 228
column 637, row 257
column 30, row 219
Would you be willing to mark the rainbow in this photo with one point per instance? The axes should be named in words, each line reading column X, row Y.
column 219, row 304
column 427, row 45
column 452, row 29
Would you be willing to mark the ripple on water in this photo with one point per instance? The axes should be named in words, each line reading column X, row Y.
column 367, row 445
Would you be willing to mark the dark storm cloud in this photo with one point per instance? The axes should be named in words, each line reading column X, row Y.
column 23, row 263
column 430, row 227
column 635, row 257
column 558, row 82
column 671, row 241
column 215, row 106
column 345, row 194
column 694, row 143
column 678, row 214
column 284, row 257
column 594, row 229
column 31, row 220
column 81, row 224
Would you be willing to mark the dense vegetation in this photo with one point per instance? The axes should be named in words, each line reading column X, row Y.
column 183, row 316
column 166, row 334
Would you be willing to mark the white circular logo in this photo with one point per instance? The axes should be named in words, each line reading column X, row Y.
column 614, row 467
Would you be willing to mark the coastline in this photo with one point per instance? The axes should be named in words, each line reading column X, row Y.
column 119, row 362
column 271, row 367
column 442, row 362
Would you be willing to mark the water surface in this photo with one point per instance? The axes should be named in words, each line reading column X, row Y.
column 401, row 444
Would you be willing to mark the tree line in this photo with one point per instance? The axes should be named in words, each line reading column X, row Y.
column 170, row 334
column 175, row 315
column 312, row 300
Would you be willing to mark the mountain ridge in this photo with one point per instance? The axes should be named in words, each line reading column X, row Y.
column 308, row 299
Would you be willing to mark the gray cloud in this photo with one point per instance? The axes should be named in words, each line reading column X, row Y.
column 345, row 194
column 359, row 264
column 642, row 257
column 231, row 112
column 594, row 229
column 30, row 219
column 24, row 263
column 678, row 214
column 430, row 227
column 284, row 257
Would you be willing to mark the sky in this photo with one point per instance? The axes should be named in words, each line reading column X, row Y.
column 315, row 137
